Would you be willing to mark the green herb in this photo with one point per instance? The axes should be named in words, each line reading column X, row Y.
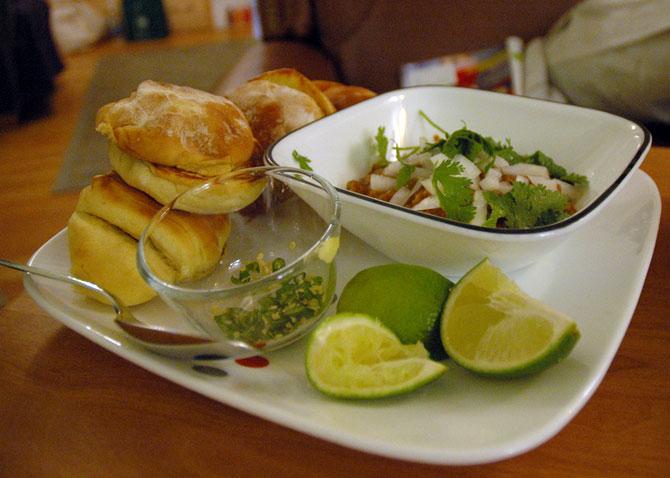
column 406, row 170
column 525, row 206
column 433, row 124
column 382, row 143
column 277, row 264
column 469, row 144
column 297, row 300
column 453, row 191
column 303, row 161
column 404, row 175
column 245, row 275
column 555, row 171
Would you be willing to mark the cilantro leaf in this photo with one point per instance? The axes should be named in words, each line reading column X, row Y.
column 469, row 144
column 382, row 143
column 453, row 191
column 433, row 124
column 525, row 206
column 576, row 179
column 303, row 161
column 404, row 175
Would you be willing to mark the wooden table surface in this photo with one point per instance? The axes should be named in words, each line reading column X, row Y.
column 70, row 408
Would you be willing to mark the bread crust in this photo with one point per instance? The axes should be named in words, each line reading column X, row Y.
column 274, row 110
column 165, row 183
column 296, row 80
column 102, row 254
column 178, row 126
column 103, row 235
column 341, row 95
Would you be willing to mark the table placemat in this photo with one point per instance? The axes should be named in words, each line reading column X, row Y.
column 117, row 75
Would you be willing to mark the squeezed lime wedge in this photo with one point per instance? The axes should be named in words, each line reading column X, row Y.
column 356, row 356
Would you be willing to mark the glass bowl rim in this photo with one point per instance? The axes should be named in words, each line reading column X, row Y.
column 178, row 292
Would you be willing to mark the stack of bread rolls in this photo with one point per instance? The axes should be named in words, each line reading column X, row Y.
column 163, row 140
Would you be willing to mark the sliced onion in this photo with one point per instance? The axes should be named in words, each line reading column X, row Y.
column 392, row 168
column 481, row 209
column 568, row 190
column 422, row 173
column 550, row 184
column 470, row 169
column 419, row 159
column 381, row 183
column 491, row 180
column 504, row 187
column 428, row 184
column 401, row 196
column 430, row 202
column 525, row 169
column 500, row 162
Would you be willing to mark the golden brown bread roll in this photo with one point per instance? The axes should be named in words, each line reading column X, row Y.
column 296, row 80
column 164, row 183
column 109, row 219
column 274, row 110
column 178, row 126
column 102, row 254
column 341, row 95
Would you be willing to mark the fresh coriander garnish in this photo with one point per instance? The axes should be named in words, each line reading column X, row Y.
column 525, row 206
column 433, row 124
column 382, row 143
column 453, row 191
column 303, row 161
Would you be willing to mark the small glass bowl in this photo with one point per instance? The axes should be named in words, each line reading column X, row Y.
column 276, row 277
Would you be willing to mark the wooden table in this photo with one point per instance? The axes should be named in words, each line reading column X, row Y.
column 70, row 408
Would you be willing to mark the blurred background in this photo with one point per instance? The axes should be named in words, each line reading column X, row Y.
column 612, row 55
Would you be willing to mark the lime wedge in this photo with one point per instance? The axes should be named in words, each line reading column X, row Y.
column 356, row 356
column 491, row 327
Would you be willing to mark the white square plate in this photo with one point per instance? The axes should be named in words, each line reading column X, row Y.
column 595, row 276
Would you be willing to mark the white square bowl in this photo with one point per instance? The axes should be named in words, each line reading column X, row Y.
column 603, row 147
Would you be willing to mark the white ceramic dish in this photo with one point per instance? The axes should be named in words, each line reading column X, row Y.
column 601, row 146
column 595, row 276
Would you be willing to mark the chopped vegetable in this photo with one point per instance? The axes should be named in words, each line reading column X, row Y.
column 525, row 206
column 303, row 161
column 298, row 299
column 470, row 178
column 382, row 147
column 286, row 307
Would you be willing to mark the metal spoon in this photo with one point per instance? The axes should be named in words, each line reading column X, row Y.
column 157, row 339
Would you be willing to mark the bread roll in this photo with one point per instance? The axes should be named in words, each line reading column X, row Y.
column 102, row 254
column 178, row 126
column 109, row 218
column 165, row 183
column 296, row 80
column 343, row 96
column 274, row 110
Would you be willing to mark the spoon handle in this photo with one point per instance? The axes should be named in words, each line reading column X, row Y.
column 38, row 271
